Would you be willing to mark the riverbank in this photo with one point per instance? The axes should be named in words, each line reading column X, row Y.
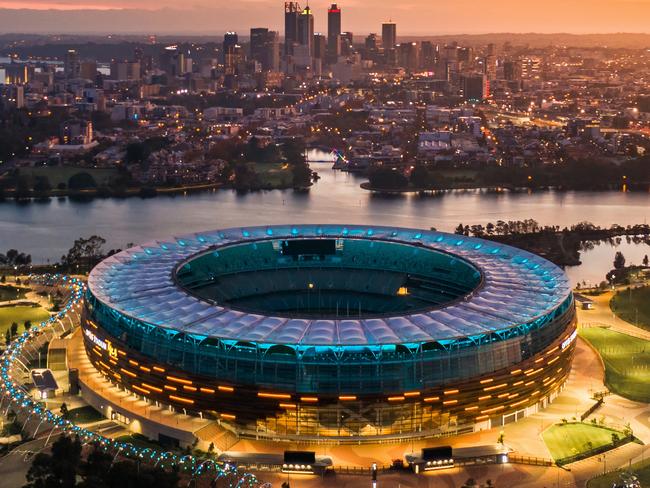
column 561, row 246
column 106, row 192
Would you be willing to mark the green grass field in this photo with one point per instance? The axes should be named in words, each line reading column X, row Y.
column 84, row 415
column 20, row 315
column 633, row 306
column 8, row 292
column 627, row 361
column 565, row 440
column 640, row 470
column 275, row 175
column 61, row 174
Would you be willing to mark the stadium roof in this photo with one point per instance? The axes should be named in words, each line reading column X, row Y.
column 518, row 288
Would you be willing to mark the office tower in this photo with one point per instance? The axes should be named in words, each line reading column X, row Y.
column 235, row 56
column 371, row 42
column 388, row 40
column 180, row 64
column 388, row 35
column 125, row 70
column 88, row 70
column 320, row 46
column 76, row 131
column 306, row 29
column 230, row 39
column 408, row 55
column 291, row 13
column 264, row 48
column 71, row 65
column 476, row 87
column 512, row 70
column 333, row 33
column 490, row 62
column 428, row 56
column 464, row 54
column 531, row 67
column 146, row 61
column 346, row 42
column 20, row 96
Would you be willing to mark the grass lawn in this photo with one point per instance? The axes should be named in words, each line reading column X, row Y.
column 633, row 306
column 627, row 361
column 461, row 174
column 84, row 415
column 20, row 315
column 565, row 440
column 640, row 470
column 8, row 292
column 61, row 174
column 276, row 175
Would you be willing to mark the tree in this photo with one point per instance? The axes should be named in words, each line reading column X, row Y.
column 85, row 252
column 301, row 175
column 619, row 260
column 64, row 410
column 81, row 181
column 645, row 260
column 27, row 325
column 136, row 153
column 7, row 337
column 42, row 185
column 14, row 329
column 58, row 469
column 421, row 177
column 385, row 178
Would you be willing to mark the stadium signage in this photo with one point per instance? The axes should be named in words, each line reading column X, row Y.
column 567, row 342
column 96, row 340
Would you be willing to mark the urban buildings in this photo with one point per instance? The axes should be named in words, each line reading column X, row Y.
column 333, row 33
column 265, row 48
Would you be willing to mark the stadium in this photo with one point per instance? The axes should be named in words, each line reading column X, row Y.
column 332, row 332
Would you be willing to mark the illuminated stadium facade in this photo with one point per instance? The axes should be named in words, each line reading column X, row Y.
column 334, row 332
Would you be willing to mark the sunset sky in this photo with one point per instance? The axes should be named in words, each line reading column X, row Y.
column 359, row 16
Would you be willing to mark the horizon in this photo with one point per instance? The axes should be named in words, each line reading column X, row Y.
column 416, row 18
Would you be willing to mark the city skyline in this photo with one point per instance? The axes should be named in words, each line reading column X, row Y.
column 416, row 17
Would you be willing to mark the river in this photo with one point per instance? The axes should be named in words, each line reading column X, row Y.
column 47, row 229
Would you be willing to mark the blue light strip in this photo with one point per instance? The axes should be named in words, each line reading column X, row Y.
column 10, row 389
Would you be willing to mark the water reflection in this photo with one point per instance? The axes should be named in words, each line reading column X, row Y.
column 47, row 229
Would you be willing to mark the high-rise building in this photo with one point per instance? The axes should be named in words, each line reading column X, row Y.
column 388, row 41
column 265, row 49
column 306, row 29
column 320, row 46
column 512, row 70
column 464, row 54
column 125, row 70
column 333, row 32
column 71, row 65
column 347, row 41
column 88, row 70
column 428, row 55
column 235, row 57
column 476, row 87
column 408, row 55
column 76, row 131
column 291, row 13
column 371, row 42
column 230, row 40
